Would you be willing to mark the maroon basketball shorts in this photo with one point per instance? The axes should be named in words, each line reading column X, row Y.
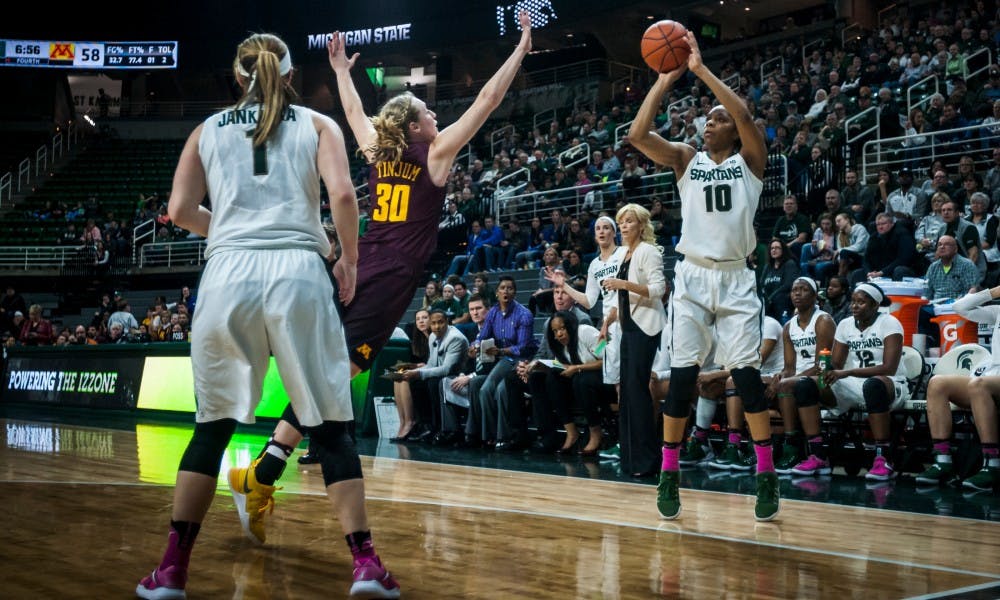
column 385, row 288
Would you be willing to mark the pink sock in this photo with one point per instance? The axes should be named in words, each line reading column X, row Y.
column 765, row 458
column 178, row 552
column 361, row 545
column 671, row 459
column 942, row 448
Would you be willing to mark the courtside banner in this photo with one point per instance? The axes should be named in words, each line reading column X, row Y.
column 98, row 381
column 154, row 376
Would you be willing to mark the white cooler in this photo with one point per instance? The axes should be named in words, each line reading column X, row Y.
column 386, row 416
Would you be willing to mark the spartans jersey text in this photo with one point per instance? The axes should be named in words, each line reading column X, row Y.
column 804, row 342
column 872, row 342
column 719, row 174
column 608, row 271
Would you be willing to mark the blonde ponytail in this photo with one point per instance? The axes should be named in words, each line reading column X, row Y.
column 391, row 125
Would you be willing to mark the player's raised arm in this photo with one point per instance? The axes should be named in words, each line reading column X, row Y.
column 653, row 145
column 453, row 138
column 361, row 126
column 754, row 149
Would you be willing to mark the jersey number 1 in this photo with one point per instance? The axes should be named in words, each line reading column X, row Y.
column 259, row 156
column 393, row 202
column 718, row 198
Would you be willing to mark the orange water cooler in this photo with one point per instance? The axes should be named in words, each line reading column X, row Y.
column 955, row 330
column 907, row 310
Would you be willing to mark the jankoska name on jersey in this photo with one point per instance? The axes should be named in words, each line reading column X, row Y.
column 872, row 342
column 244, row 116
column 718, row 174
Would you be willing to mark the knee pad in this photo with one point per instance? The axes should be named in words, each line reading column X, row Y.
column 877, row 398
column 288, row 415
column 682, row 384
column 806, row 392
column 337, row 454
column 208, row 444
column 750, row 388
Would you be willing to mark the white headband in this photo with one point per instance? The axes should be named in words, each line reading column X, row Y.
column 284, row 66
column 872, row 291
column 614, row 226
column 808, row 281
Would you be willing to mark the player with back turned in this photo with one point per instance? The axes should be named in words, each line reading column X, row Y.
column 409, row 163
column 720, row 190
column 265, row 291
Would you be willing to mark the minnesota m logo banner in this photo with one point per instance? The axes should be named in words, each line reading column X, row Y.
column 61, row 52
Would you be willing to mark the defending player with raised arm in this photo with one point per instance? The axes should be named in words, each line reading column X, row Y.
column 720, row 190
column 409, row 162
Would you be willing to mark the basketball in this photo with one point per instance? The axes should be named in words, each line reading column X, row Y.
column 664, row 47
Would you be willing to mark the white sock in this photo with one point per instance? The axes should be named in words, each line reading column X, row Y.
column 705, row 412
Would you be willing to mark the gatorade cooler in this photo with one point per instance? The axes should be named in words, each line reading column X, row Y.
column 907, row 310
column 955, row 331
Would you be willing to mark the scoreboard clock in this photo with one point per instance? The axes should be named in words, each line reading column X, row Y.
column 88, row 55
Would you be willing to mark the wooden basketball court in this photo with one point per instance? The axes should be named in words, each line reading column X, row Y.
column 86, row 509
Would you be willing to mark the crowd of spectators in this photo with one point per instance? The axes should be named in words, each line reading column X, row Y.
column 101, row 237
column 114, row 322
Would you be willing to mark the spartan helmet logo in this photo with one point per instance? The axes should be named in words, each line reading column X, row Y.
column 965, row 360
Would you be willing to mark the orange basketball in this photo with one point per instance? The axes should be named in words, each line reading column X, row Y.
column 664, row 47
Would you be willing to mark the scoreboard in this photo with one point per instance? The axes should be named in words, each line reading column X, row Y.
column 88, row 55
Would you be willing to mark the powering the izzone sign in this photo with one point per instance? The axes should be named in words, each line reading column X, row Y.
column 88, row 55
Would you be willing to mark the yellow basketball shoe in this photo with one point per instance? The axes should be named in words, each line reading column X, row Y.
column 253, row 500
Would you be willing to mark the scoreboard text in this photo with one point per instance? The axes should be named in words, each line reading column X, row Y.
column 88, row 55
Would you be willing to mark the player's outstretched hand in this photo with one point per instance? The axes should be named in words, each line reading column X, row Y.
column 694, row 61
column 336, row 50
column 557, row 277
column 525, row 20
column 346, row 275
column 671, row 77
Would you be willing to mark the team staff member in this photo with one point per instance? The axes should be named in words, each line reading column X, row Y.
column 447, row 352
column 509, row 325
column 640, row 286
column 265, row 291
column 409, row 165
column 720, row 191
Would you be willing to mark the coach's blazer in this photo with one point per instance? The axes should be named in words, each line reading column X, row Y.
column 446, row 355
column 646, row 269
